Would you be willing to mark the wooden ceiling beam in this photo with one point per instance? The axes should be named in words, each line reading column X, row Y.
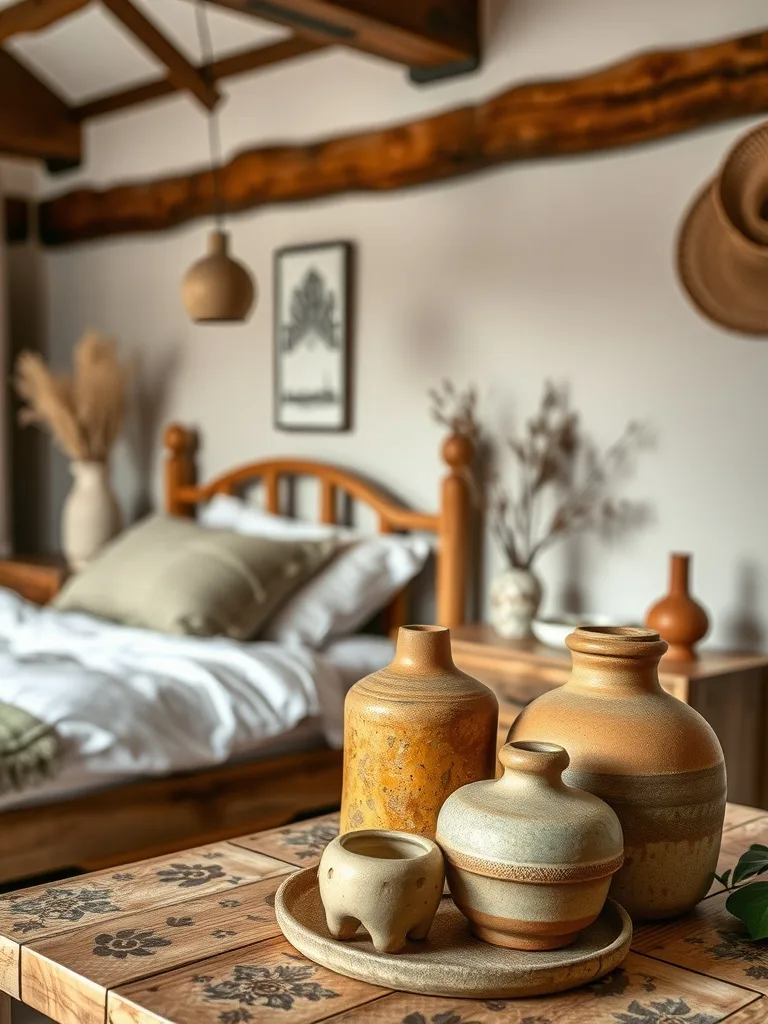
column 418, row 33
column 181, row 72
column 35, row 122
column 33, row 15
column 227, row 67
column 648, row 97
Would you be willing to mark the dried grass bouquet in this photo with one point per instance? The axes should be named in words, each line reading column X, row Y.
column 562, row 482
column 83, row 411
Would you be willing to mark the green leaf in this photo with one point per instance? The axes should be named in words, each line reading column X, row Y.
column 750, row 905
column 723, row 879
column 753, row 862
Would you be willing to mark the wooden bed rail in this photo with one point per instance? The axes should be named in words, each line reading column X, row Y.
column 451, row 524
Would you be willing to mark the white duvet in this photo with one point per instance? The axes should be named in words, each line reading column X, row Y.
column 130, row 702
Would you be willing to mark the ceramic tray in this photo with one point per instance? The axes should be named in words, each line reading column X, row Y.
column 451, row 962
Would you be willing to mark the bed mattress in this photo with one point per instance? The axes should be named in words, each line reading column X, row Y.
column 131, row 704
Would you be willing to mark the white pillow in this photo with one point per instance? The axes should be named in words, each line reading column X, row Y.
column 365, row 575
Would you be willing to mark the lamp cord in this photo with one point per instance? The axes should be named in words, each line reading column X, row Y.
column 214, row 128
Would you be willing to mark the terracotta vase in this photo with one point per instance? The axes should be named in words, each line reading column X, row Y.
column 529, row 860
column 514, row 600
column 413, row 733
column 679, row 619
column 651, row 757
column 90, row 516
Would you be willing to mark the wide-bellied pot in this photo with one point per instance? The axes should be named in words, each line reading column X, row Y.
column 413, row 733
column 529, row 859
column 651, row 757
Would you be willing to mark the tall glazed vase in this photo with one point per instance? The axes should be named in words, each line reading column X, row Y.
column 678, row 617
column 413, row 733
column 653, row 759
column 90, row 516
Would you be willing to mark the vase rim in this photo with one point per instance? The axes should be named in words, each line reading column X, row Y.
column 617, row 641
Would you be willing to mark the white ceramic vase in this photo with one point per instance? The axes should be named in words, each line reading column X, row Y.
column 515, row 599
column 90, row 516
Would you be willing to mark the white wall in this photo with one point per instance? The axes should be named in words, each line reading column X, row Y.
column 560, row 268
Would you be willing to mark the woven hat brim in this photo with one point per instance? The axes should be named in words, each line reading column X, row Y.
column 712, row 265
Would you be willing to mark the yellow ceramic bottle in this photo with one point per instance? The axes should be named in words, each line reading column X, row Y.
column 413, row 733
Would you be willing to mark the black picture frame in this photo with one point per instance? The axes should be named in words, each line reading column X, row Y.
column 286, row 413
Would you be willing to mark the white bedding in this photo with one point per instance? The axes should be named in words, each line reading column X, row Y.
column 131, row 703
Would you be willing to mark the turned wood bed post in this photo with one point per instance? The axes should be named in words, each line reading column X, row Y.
column 454, row 533
column 180, row 469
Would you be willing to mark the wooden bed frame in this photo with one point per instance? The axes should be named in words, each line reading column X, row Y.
column 159, row 815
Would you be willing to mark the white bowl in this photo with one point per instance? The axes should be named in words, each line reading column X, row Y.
column 553, row 632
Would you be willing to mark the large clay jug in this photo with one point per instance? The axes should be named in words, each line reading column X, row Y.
column 653, row 759
column 413, row 733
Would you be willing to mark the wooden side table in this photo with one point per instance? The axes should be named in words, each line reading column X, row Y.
column 729, row 690
column 38, row 578
column 191, row 938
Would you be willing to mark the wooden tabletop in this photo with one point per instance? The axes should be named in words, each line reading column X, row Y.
column 191, row 938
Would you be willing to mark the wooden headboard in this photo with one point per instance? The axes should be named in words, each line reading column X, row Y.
column 451, row 524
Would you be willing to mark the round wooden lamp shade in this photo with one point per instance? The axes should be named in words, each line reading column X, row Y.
column 218, row 288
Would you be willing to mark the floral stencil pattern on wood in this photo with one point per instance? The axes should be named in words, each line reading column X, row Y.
column 312, row 841
column 60, row 905
column 187, row 876
column 737, row 946
column 277, row 988
column 128, row 942
column 663, row 1011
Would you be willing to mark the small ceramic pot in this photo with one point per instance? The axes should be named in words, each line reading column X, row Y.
column 390, row 882
column 529, row 860
column 515, row 599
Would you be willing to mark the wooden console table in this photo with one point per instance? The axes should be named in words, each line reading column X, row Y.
column 191, row 938
column 729, row 690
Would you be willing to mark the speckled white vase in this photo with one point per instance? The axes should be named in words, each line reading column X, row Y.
column 90, row 516
column 390, row 882
column 515, row 599
column 529, row 860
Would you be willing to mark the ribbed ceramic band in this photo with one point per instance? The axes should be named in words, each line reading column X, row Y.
column 660, row 808
column 543, row 874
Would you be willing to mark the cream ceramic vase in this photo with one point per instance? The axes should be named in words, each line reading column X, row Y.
column 90, row 516
column 514, row 601
column 413, row 733
column 529, row 859
column 651, row 757
column 390, row 882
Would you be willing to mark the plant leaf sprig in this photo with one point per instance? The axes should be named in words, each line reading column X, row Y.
column 749, row 903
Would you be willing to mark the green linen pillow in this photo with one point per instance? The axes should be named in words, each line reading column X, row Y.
column 174, row 576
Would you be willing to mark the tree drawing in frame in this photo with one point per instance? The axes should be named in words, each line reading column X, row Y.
column 312, row 340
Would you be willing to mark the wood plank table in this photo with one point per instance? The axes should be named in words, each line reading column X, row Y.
column 191, row 938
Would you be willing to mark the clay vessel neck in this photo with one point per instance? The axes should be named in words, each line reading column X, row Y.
column 422, row 649
column 679, row 578
column 533, row 765
column 616, row 661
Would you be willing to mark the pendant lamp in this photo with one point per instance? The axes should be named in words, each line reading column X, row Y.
column 217, row 288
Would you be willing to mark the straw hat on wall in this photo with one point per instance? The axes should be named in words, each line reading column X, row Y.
column 723, row 244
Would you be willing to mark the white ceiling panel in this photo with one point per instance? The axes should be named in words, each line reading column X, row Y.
column 85, row 55
column 89, row 53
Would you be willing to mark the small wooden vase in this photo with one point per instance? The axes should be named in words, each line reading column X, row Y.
column 413, row 733
column 653, row 759
column 679, row 619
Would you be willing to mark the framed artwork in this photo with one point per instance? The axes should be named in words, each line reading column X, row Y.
column 312, row 337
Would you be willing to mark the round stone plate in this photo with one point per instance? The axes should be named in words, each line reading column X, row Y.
column 451, row 962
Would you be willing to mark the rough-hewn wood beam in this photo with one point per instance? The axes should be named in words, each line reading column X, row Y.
column 227, row 67
column 32, row 15
column 16, row 217
column 647, row 97
column 183, row 74
column 33, row 120
column 418, row 33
